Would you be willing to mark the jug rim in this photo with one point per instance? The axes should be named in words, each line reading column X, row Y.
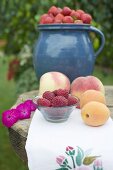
column 62, row 26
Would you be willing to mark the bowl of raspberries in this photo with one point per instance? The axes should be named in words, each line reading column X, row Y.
column 57, row 105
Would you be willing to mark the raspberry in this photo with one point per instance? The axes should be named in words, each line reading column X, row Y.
column 59, row 101
column 43, row 102
column 48, row 95
column 72, row 100
column 63, row 92
column 55, row 92
column 78, row 106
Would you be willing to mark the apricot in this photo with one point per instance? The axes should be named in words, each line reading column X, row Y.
column 92, row 95
column 95, row 113
column 81, row 84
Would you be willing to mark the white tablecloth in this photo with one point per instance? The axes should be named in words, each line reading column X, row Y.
column 69, row 145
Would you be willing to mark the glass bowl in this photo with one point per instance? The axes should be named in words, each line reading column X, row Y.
column 55, row 114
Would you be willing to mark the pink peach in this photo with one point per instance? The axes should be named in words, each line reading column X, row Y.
column 81, row 84
column 51, row 81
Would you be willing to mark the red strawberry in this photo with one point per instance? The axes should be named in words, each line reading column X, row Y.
column 51, row 15
column 68, row 19
column 80, row 11
column 86, row 18
column 75, row 15
column 53, row 10
column 48, row 20
column 58, row 18
column 59, row 101
column 72, row 100
column 62, row 92
column 66, row 11
column 78, row 22
column 43, row 102
column 42, row 18
column 59, row 10
column 48, row 95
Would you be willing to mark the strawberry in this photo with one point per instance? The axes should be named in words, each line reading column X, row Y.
column 48, row 20
column 68, row 19
column 59, row 10
column 66, row 11
column 80, row 11
column 53, row 10
column 78, row 22
column 62, row 92
column 58, row 18
column 72, row 100
column 43, row 102
column 48, row 95
column 59, row 101
column 75, row 15
column 51, row 15
column 42, row 18
column 86, row 18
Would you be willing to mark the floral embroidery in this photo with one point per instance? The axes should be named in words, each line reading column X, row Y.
column 80, row 160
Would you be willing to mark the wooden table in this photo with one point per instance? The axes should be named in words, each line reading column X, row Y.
column 18, row 133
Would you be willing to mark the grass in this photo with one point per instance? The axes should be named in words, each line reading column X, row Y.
column 8, row 159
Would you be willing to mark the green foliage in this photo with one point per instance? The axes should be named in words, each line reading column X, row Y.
column 23, row 71
column 27, row 81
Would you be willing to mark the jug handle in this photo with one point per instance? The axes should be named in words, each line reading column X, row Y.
column 93, row 29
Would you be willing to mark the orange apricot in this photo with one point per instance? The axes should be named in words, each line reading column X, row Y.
column 95, row 113
column 92, row 95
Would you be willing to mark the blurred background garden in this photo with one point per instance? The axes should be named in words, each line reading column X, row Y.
column 18, row 33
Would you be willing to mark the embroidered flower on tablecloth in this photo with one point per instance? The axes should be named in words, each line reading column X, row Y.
column 62, row 161
column 80, row 161
column 97, row 165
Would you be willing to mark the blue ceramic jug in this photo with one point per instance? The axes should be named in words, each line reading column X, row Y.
column 66, row 48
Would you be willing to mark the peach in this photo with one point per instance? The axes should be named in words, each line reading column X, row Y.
column 81, row 84
column 51, row 81
column 95, row 113
column 92, row 95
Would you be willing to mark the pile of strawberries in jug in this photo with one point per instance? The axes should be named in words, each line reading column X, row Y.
column 56, row 15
